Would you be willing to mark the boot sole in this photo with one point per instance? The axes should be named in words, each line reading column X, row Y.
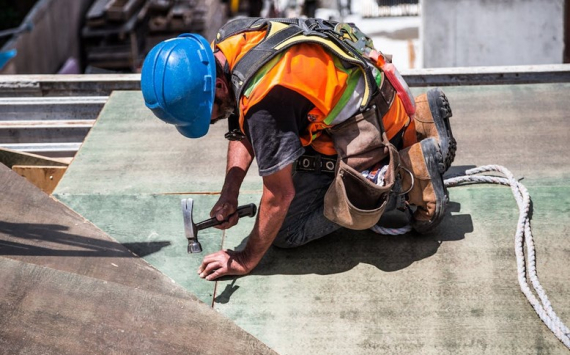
column 436, row 167
column 441, row 112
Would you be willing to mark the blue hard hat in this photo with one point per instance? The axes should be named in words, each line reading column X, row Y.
column 178, row 83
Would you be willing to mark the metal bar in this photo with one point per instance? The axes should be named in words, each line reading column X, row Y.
column 34, row 124
column 50, row 108
column 506, row 75
column 43, row 134
column 28, row 99
column 43, row 147
column 122, row 10
column 67, row 100
column 67, row 85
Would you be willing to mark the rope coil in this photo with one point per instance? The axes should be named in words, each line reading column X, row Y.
column 523, row 235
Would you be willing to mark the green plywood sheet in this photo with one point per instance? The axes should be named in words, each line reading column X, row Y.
column 453, row 291
column 522, row 127
column 130, row 175
column 130, row 151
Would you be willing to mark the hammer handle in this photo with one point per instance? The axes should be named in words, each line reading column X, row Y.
column 242, row 211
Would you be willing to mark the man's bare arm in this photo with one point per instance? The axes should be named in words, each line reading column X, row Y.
column 278, row 192
column 240, row 156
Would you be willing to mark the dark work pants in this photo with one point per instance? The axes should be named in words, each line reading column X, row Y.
column 305, row 220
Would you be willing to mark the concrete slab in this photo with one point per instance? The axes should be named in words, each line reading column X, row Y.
column 69, row 288
column 454, row 291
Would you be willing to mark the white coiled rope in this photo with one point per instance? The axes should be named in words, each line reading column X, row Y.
column 523, row 236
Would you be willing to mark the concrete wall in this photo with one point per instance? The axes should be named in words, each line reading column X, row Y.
column 53, row 39
column 491, row 32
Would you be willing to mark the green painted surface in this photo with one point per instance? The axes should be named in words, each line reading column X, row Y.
column 452, row 292
column 130, row 151
column 522, row 127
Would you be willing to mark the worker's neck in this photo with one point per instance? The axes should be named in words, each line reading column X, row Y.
column 220, row 57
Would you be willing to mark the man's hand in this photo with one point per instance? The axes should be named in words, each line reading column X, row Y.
column 223, row 209
column 222, row 263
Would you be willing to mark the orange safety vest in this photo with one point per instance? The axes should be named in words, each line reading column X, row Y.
column 310, row 70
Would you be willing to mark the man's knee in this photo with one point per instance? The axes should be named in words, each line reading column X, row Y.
column 283, row 244
column 284, row 240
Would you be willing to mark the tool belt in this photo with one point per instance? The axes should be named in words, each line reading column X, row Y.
column 315, row 164
column 352, row 200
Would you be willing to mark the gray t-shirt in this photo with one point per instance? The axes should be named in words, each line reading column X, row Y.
column 273, row 126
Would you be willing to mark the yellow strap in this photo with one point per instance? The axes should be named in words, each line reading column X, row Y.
column 275, row 27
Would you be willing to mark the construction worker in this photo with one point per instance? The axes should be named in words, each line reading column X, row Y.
column 285, row 102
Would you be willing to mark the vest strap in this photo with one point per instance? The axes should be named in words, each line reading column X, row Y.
column 253, row 60
column 239, row 25
column 383, row 100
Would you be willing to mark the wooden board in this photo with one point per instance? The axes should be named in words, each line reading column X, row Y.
column 10, row 158
column 45, row 178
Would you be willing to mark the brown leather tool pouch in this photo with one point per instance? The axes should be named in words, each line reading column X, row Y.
column 358, row 141
column 352, row 200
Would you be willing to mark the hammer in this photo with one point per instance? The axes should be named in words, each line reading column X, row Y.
column 191, row 229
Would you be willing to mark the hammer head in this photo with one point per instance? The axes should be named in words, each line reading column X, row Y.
column 190, row 229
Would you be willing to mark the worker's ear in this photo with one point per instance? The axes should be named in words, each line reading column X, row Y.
column 221, row 87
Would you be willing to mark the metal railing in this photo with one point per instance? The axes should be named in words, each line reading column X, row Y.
column 51, row 115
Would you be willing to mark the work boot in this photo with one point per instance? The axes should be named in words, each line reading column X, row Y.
column 432, row 120
column 421, row 172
